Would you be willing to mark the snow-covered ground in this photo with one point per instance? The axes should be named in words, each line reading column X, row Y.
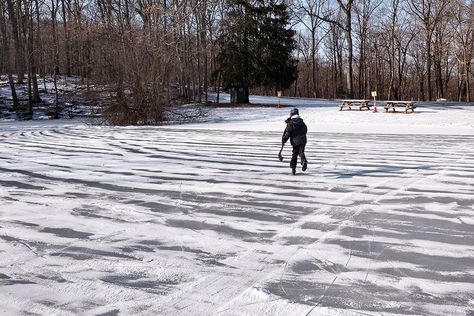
column 70, row 99
column 202, row 219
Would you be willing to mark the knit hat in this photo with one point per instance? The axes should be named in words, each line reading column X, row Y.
column 294, row 111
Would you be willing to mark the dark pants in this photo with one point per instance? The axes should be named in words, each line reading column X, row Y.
column 297, row 150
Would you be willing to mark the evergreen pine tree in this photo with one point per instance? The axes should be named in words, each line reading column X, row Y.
column 256, row 46
column 278, row 66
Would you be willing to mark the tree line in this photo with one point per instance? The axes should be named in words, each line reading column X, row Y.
column 153, row 53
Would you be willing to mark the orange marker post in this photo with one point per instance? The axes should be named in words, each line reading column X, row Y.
column 279, row 95
column 374, row 94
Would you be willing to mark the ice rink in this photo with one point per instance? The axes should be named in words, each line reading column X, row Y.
column 202, row 219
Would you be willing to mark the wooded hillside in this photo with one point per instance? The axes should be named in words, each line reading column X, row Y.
column 153, row 52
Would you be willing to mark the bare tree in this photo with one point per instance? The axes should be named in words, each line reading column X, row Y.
column 402, row 32
column 346, row 26
column 150, row 54
column 6, row 56
column 364, row 10
column 463, row 26
column 64, row 5
column 307, row 13
column 430, row 14
column 334, row 47
column 19, row 57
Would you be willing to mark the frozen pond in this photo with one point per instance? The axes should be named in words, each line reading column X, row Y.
column 206, row 221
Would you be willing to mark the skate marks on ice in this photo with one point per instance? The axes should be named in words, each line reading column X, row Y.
column 409, row 249
column 162, row 220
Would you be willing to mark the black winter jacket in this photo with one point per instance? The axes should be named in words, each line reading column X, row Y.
column 295, row 131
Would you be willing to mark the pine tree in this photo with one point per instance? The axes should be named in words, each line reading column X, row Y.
column 235, row 55
column 256, row 46
column 278, row 66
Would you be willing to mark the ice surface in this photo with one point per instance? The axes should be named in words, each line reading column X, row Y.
column 202, row 219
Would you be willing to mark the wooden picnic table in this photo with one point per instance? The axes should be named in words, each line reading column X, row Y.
column 391, row 105
column 350, row 103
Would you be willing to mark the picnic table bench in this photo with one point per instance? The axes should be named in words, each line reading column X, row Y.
column 391, row 105
column 350, row 103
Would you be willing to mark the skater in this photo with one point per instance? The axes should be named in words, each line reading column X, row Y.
column 295, row 131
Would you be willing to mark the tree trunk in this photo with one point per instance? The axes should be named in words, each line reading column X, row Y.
column 55, row 59
column 33, row 92
column 350, row 72
column 428, row 68
column 392, row 40
column 66, row 39
column 350, row 49
column 28, row 36
column 6, row 58
column 421, row 95
column 19, row 58
column 314, row 63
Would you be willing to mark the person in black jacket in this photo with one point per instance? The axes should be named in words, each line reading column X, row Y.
column 296, row 131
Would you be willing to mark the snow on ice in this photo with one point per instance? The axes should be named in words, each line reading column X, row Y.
column 202, row 219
